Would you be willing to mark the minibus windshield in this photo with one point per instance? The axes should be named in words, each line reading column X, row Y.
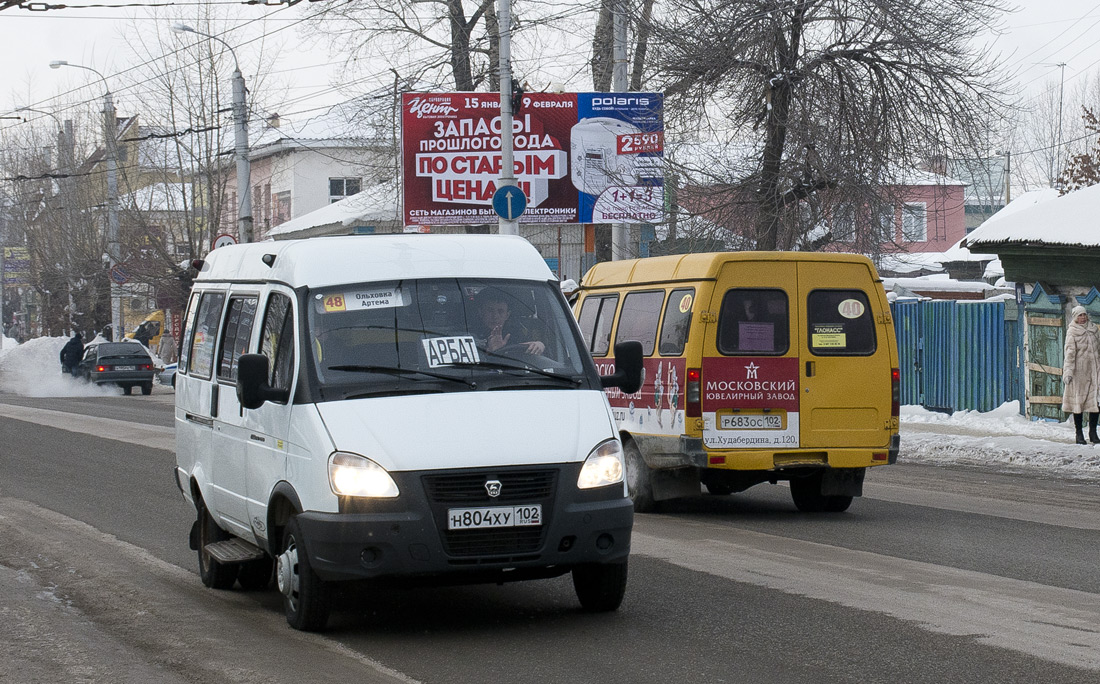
column 441, row 335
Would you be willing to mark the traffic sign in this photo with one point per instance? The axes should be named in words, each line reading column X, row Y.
column 509, row 202
column 224, row 240
column 119, row 274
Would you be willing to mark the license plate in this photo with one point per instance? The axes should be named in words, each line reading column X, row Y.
column 125, row 367
column 750, row 421
column 496, row 516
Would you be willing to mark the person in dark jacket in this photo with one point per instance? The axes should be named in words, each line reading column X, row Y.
column 71, row 354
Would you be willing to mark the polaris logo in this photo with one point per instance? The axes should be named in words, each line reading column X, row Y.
column 619, row 101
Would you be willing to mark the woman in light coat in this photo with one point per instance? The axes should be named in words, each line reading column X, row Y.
column 1081, row 372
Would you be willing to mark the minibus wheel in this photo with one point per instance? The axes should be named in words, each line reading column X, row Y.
column 212, row 573
column 305, row 595
column 600, row 587
column 639, row 482
column 807, row 496
column 255, row 575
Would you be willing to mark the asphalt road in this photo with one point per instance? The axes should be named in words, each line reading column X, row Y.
column 937, row 575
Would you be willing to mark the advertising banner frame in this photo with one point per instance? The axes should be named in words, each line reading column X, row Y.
column 579, row 157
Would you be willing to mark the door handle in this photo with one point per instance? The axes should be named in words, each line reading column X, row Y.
column 810, row 369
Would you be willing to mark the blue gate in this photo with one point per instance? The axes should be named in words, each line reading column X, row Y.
column 958, row 355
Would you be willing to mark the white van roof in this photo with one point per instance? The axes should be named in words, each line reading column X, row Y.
column 323, row 261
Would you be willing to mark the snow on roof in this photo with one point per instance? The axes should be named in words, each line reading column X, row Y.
column 161, row 197
column 342, row 125
column 1043, row 217
column 910, row 262
column 375, row 204
column 959, row 253
column 936, row 283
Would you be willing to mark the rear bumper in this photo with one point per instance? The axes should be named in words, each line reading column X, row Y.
column 662, row 453
column 123, row 378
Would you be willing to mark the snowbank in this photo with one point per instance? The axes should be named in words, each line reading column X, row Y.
column 32, row 369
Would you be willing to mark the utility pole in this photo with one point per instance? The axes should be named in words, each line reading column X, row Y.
column 114, row 253
column 240, row 139
column 507, row 154
column 620, row 232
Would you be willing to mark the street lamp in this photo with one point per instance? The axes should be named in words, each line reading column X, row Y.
column 110, row 133
column 240, row 130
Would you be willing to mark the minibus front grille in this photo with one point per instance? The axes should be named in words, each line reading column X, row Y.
column 510, row 541
column 516, row 487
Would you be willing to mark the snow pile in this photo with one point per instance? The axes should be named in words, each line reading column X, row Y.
column 1001, row 438
column 33, row 369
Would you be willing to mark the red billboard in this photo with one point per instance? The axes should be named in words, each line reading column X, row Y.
column 579, row 157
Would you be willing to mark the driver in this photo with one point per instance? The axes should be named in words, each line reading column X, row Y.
column 494, row 328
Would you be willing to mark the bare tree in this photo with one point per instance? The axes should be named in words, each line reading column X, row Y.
column 835, row 99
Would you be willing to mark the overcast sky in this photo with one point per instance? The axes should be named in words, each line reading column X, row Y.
column 1043, row 34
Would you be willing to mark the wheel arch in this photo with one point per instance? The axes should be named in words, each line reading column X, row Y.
column 281, row 505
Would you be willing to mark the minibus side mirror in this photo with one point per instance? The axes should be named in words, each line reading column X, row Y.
column 252, row 387
column 628, row 368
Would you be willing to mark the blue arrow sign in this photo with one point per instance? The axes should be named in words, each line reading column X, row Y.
column 509, row 202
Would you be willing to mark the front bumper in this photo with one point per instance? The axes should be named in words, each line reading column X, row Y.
column 407, row 538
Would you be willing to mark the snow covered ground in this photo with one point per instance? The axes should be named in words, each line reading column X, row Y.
column 1001, row 439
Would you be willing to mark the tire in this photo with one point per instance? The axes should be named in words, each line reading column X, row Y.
column 212, row 573
column 305, row 596
column 600, row 587
column 147, row 388
column 126, row 389
column 807, row 496
column 256, row 575
column 639, row 484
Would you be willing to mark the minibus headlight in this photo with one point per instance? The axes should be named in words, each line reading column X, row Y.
column 353, row 475
column 604, row 466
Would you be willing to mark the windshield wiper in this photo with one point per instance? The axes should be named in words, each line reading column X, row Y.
column 393, row 370
column 530, row 369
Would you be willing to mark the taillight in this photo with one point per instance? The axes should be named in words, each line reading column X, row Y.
column 147, row 367
column 895, row 399
column 692, row 405
column 100, row 369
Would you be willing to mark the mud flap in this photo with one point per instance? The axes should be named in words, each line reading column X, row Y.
column 675, row 483
column 842, row 481
column 193, row 536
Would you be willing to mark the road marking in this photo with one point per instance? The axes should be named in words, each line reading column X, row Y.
column 1054, row 624
column 152, row 436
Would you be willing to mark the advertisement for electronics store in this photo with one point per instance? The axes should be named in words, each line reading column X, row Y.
column 579, row 157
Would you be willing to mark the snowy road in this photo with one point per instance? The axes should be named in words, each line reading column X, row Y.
column 938, row 574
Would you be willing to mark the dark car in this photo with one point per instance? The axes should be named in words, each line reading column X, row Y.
column 125, row 364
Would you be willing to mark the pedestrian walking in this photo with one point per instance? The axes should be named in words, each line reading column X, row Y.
column 1081, row 373
column 72, row 353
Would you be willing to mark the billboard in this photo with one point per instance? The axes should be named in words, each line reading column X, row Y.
column 579, row 157
column 17, row 266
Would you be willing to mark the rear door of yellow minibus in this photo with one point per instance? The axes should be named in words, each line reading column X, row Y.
column 846, row 363
column 750, row 369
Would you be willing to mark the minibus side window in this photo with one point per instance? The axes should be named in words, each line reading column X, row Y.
column 596, row 317
column 185, row 344
column 235, row 335
column 638, row 321
column 754, row 321
column 676, row 323
column 277, row 341
column 840, row 323
column 205, row 334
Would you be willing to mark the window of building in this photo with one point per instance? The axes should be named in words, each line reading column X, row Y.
column 339, row 188
column 914, row 222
